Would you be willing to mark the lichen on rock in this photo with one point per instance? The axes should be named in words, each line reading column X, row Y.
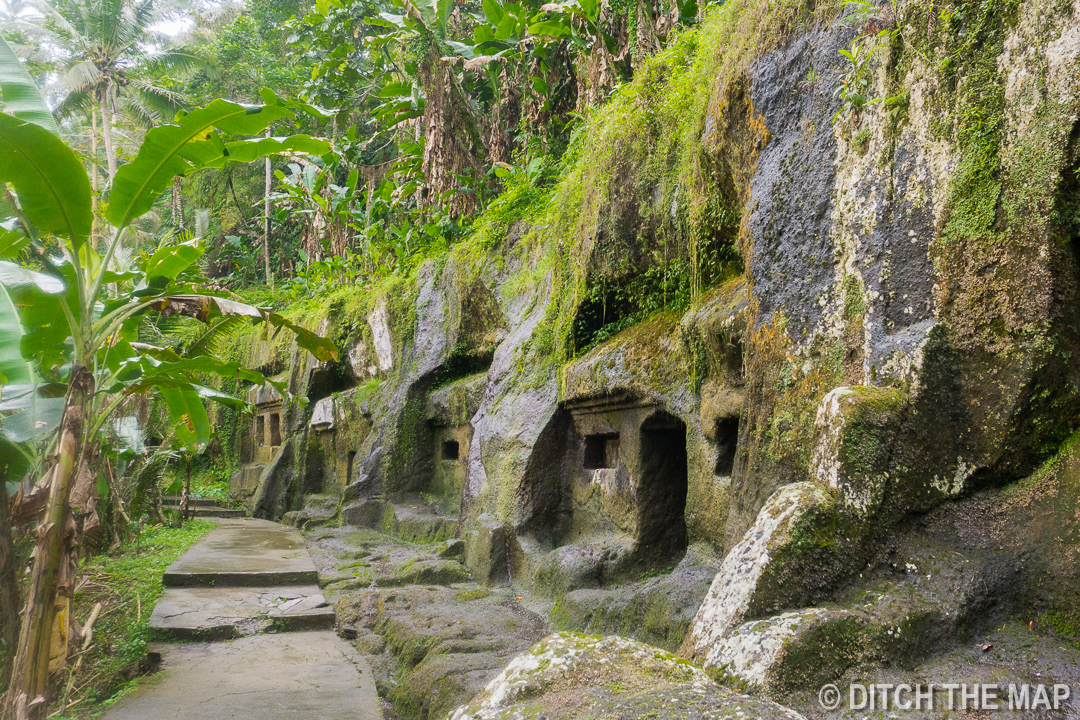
column 568, row 675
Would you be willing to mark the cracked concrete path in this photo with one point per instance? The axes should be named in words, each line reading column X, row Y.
column 243, row 578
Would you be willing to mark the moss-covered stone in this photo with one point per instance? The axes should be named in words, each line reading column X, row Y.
column 568, row 675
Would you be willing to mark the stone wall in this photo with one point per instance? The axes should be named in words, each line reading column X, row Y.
column 901, row 335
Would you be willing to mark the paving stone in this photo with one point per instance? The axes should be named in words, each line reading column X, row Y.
column 244, row 553
column 201, row 613
column 262, row 677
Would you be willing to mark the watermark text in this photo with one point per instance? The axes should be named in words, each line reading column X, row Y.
column 945, row 696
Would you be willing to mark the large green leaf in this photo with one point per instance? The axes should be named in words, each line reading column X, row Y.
column 52, row 185
column 11, row 240
column 15, row 462
column 171, row 260
column 249, row 150
column 171, row 150
column 33, row 414
column 317, row 345
column 158, row 365
column 21, row 96
column 205, row 307
column 13, row 368
column 554, row 28
column 493, row 10
column 188, row 415
column 36, row 296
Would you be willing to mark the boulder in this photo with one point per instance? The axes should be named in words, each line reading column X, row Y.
column 568, row 675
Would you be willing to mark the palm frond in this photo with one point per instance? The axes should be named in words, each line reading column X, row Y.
column 80, row 75
column 149, row 101
column 57, row 22
column 216, row 338
column 76, row 101
column 144, row 12
column 138, row 114
column 111, row 20
column 177, row 59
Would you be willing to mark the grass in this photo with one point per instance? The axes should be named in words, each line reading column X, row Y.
column 127, row 583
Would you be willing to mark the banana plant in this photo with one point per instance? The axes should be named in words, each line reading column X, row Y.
column 77, row 319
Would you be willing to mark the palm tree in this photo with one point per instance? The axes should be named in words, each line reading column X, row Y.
column 111, row 64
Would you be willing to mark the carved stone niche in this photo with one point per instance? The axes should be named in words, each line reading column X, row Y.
column 266, row 424
column 629, row 474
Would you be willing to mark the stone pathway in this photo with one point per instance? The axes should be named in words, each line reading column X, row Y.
column 238, row 592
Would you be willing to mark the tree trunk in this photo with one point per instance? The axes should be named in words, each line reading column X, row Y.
column 121, row 522
column 94, row 175
column 55, row 560
column 9, row 590
column 266, row 223
column 178, row 203
column 185, row 497
column 106, row 132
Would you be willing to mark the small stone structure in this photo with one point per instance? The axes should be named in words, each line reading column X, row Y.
column 266, row 427
column 262, row 441
column 629, row 474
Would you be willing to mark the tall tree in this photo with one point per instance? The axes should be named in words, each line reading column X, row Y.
column 112, row 63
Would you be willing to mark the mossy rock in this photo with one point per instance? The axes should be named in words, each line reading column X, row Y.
column 443, row 681
column 568, row 675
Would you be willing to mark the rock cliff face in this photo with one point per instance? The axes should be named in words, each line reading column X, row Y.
column 759, row 328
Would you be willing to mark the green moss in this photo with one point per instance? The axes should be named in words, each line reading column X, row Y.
column 861, row 141
column 1064, row 622
column 1048, row 469
column 854, row 299
column 640, row 195
column 786, row 390
column 477, row 594
column 869, row 429
column 823, row 653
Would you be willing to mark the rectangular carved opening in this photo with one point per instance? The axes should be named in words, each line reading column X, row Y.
column 349, row 469
column 275, row 429
column 260, row 431
column 601, row 451
column 450, row 450
column 727, row 439
column 662, row 486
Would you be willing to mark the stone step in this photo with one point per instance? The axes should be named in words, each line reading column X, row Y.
column 244, row 553
column 268, row 677
column 208, row 511
column 223, row 613
column 199, row 502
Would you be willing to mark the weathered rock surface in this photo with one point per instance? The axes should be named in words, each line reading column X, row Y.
column 892, row 342
column 568, row 675
column 433, row 637
column 657, row 610
column 1009, row 653
column 954, row 574
column 317, row 510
